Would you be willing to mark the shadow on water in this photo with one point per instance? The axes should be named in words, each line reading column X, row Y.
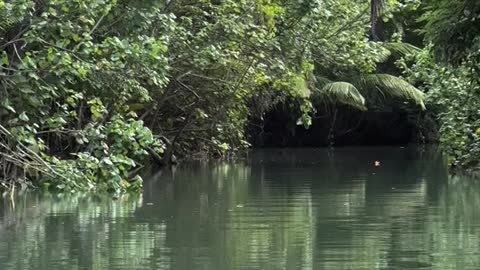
column 276, row 209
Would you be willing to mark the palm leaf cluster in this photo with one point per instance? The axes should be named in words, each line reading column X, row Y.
column 399, row 49
column 351, row 90
column 353, row 93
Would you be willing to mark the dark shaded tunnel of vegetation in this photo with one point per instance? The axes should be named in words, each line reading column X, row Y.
column 343, row 127
column 349, row 128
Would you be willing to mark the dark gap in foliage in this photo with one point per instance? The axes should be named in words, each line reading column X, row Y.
column 351, row 128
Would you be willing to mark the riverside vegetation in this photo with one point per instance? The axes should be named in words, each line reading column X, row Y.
column 92, row 89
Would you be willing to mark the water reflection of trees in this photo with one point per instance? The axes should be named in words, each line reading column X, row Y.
column 273, row 211
column 72, row 232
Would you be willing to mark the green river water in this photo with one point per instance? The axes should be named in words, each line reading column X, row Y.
column 275, row 209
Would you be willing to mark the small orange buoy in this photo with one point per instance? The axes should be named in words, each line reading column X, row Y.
column 377, row 163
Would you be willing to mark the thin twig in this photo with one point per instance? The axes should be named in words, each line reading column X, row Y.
column 97, row 24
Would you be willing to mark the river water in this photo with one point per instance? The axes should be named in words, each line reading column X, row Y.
column 276, row 209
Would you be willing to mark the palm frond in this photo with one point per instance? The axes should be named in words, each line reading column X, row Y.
column 344, row 93
column 382, row 55
column 9, row 20
column 400, row 48
column 6, row 21
column 395, row 86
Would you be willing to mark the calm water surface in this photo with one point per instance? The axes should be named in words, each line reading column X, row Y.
column 278, row 209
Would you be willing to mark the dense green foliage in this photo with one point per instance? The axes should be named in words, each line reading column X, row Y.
column 91, row 89
column 449, row 69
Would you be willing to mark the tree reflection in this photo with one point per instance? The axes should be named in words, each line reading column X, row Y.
column 275, row 210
